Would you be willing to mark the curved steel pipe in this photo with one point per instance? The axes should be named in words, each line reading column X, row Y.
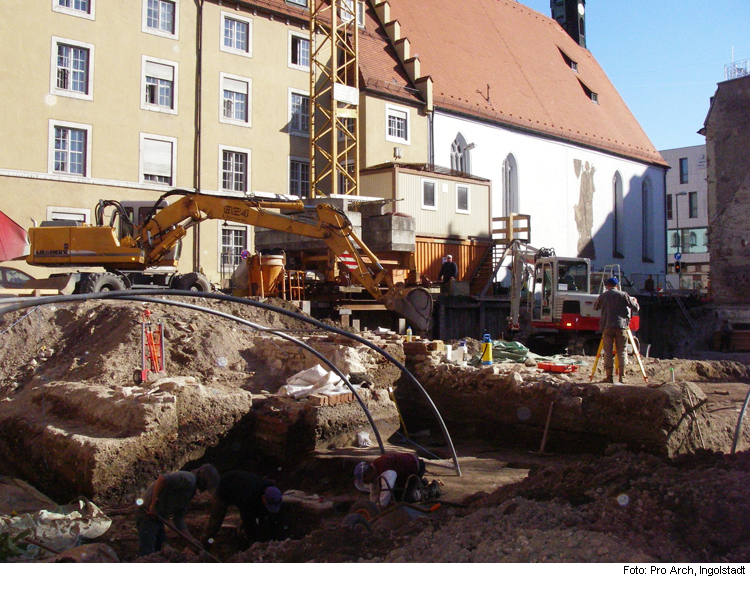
column 21, row 303
column 738, row 428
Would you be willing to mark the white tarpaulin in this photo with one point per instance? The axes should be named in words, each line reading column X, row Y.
column 315, row 380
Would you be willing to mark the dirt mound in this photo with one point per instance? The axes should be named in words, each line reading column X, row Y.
column 100, row 341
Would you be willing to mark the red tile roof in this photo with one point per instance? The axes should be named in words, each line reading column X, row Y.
column 501, row 61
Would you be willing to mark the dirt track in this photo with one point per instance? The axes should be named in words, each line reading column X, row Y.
column 521, row 507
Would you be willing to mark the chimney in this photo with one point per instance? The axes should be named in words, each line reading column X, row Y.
column 571, row 14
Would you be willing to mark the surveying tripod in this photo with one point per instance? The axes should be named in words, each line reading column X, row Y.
column 631, row 340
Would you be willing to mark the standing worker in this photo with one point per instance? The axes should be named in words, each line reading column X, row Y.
column 169, row 497
column 616, row 309
column 448, row 274
column 257, row 499
column 387, row 475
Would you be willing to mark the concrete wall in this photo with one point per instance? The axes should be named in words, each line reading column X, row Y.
column 549, row 188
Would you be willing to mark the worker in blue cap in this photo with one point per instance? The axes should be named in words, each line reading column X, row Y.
column 258, row 501
column 616, row 307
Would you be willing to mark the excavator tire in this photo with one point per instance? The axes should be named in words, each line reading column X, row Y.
column 97, row 282
column 191, row 282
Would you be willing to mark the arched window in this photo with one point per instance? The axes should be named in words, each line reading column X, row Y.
column 511, row 202
column 460, row 155
column 676, row 240
column 693, row 239
column 618, row 217
column 647, row 221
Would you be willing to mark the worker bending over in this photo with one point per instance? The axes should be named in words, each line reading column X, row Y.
column 167, row 498
column 257, row 500
column 388, row 476
column 616, row 309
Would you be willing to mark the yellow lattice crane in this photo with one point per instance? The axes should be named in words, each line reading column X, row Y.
column 334, row 97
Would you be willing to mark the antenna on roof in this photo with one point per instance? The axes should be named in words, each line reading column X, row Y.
column 487, row 98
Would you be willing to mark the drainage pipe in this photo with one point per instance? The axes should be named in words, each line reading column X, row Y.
column 738, row 429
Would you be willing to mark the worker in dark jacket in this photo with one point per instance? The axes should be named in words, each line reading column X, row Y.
column 166, row 498
column 257, row 499
column 448, row 274
column 387, row 476
column 616, row 307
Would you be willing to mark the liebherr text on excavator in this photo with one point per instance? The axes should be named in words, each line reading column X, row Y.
column 157, row 239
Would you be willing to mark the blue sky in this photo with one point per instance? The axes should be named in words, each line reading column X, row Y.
column 665, row 57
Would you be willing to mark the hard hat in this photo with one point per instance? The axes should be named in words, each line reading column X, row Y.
column 359, row 472
column 612, row 281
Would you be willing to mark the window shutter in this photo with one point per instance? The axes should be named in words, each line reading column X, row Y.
column 160, row 71
column 157, row 157
column 235, row 86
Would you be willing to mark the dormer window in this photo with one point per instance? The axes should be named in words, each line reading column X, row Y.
column 571, row 64
column 593, row 96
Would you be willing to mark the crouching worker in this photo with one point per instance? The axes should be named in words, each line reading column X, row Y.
column 388, row 477
column 257, row 500
column 167, row 498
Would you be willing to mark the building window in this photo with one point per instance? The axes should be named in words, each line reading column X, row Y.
column 70, row 214
column 159, row 85
column 298, row 2
column 233, row 242
column 428, row 194
column 676, row 240
column 693, row 204
column 158, row 158
column 346, row 182
column 361, row 13
column 460, row 155
column 299, row 113
column 237, row 35
column 397, row 125
column 72, row 69
column 161, row 17
column 618, row 221
column 511, row 202
column 299, row 178
column 235, row 100
column 234, row 170
column 346, row 10
column 683, row 171
column 670, row 210
column 299, row 52
column 70, row 150
column 82, row 8
column 462, row 199
column 349, row 124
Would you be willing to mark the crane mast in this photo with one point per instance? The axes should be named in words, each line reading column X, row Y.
column 334, row 97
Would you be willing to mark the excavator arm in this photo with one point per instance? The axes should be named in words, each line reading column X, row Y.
column 168, row 226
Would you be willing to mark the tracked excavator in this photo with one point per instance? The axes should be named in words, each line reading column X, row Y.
column 156, row 242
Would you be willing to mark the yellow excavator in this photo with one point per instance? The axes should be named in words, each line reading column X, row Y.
column 156, row 242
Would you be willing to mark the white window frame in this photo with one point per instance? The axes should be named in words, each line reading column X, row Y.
column 53, row 89
column 223, row 77
column 247, row 153
column 302, row 3
column 53, row 210
column 434, row 183
column 361, row 14
column 53, row 123
column 466, row 211
column 292, row 36
column 223, row 225
column 74, row 11
column 306, row 94
column 141, row 167
column 234, row 50
column 159, row 32
column 146, row 106
column 396, row 110
column 348, row 14
column 289, row 169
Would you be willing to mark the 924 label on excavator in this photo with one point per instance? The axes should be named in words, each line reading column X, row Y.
column 236, row 212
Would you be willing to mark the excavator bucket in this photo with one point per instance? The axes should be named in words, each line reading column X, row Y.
column 414, row 304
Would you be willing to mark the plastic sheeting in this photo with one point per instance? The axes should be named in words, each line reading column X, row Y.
column 59, row 529
column 13, row 239
column 315, row 380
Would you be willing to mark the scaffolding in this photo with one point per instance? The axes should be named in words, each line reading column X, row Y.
column 334, row 97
